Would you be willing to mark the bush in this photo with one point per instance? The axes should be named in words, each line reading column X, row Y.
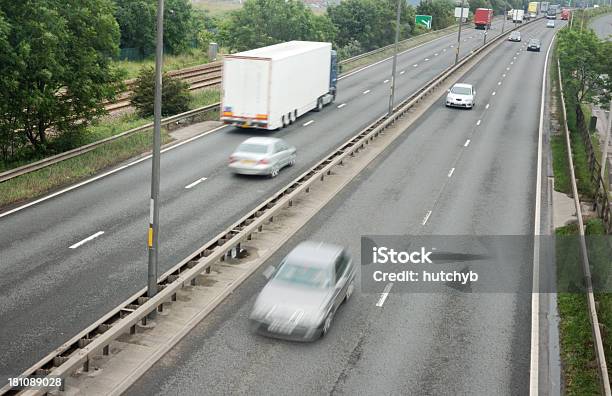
column 175, row 94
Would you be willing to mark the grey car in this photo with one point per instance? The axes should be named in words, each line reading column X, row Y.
column 534, row 45
column 262, row 156
column 300, row 299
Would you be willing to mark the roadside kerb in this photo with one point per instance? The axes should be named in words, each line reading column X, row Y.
column 96, row 338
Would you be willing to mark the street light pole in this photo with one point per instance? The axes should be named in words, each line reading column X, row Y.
column 505, row 16
column 459, row 34
column 397, row 28
column 153, row 235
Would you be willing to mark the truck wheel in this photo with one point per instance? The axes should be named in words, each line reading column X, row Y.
column 291, row 119
column 319, row 104
column 284, row 121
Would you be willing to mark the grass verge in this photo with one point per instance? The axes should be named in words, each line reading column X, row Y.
column 193, row 57
column 577, row 353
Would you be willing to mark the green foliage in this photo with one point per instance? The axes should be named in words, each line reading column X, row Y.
column 442, row 12
column 137, row 21
column 56, row 72
column 584, row 58
column 175, row 94
column 265, row 22
column 369, row 24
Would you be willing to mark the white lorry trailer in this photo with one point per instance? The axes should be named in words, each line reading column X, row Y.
column 517, row 16
column 270, row 87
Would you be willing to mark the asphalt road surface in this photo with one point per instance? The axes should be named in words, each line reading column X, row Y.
column 602, row 26
column 70, row 259
column 421, row 344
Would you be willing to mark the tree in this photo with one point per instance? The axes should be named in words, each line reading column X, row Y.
column 137, row 21
column 175, row 94
column 56, row 70
column 265, row 22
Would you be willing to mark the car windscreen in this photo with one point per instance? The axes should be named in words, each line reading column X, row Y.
column 253, row 148
column 515, row 34
column 303, row 275
column 461, row 90
column 534, row 42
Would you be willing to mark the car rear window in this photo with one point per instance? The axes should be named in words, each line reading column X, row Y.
column 303, row 275
column 253, row 148
column 461, row 90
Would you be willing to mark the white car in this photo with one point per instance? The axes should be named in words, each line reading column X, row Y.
column 262, row 156
column 550, row 23
column 461, row 95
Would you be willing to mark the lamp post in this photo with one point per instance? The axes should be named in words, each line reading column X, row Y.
column 397, row 27
column 459, row 33
column 153, row 234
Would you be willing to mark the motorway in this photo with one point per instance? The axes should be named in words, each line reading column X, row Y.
column 602, row 26
column 452, row 172
column 70, row 259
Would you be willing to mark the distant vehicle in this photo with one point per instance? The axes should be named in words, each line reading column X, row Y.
column 509, row 14
column 534, row 45
column 533, row 9
column 461, row 95
column 483, row 18
column 515, row 36
column 565, row 14
column 550, row 23
column 302, row 296
column 271, row 87
column 517, row 16
column 262, row 156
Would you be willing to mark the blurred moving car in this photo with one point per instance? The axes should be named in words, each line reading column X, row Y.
column 550, row 23
column 515, row 36
column 534, row 45
column 303, row 294
column 262, row 156
column 461, row 95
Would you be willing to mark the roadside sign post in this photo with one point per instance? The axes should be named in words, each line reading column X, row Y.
column 460, row 12
column 153, row 234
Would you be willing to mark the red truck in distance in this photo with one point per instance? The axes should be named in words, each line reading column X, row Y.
column 483, row 18
column 565, row 14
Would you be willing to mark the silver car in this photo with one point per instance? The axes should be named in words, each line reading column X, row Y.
column 461, row 95
column 301, row 297
column 262, row 156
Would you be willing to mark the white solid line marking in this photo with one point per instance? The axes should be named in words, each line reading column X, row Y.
column 450, row 173
column 478, row 122
column 84, row 241
column 487, row 106
column 308, row 123
column 195, row 183
column 467, row 143
column 426, row 217
column 403, row 71
column 366, row 91
column 384, row 295
column 386, row 81
column 493, row 93
column 342, row 105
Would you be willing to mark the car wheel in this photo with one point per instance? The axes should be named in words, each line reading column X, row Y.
column 274, row 171
column 349, row 291
column 327, row 324
column 292, row 162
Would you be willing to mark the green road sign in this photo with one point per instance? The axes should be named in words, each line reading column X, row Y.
column 424, row 20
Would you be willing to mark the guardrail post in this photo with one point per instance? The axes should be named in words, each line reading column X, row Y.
column 105, row 350
column 86, row 365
